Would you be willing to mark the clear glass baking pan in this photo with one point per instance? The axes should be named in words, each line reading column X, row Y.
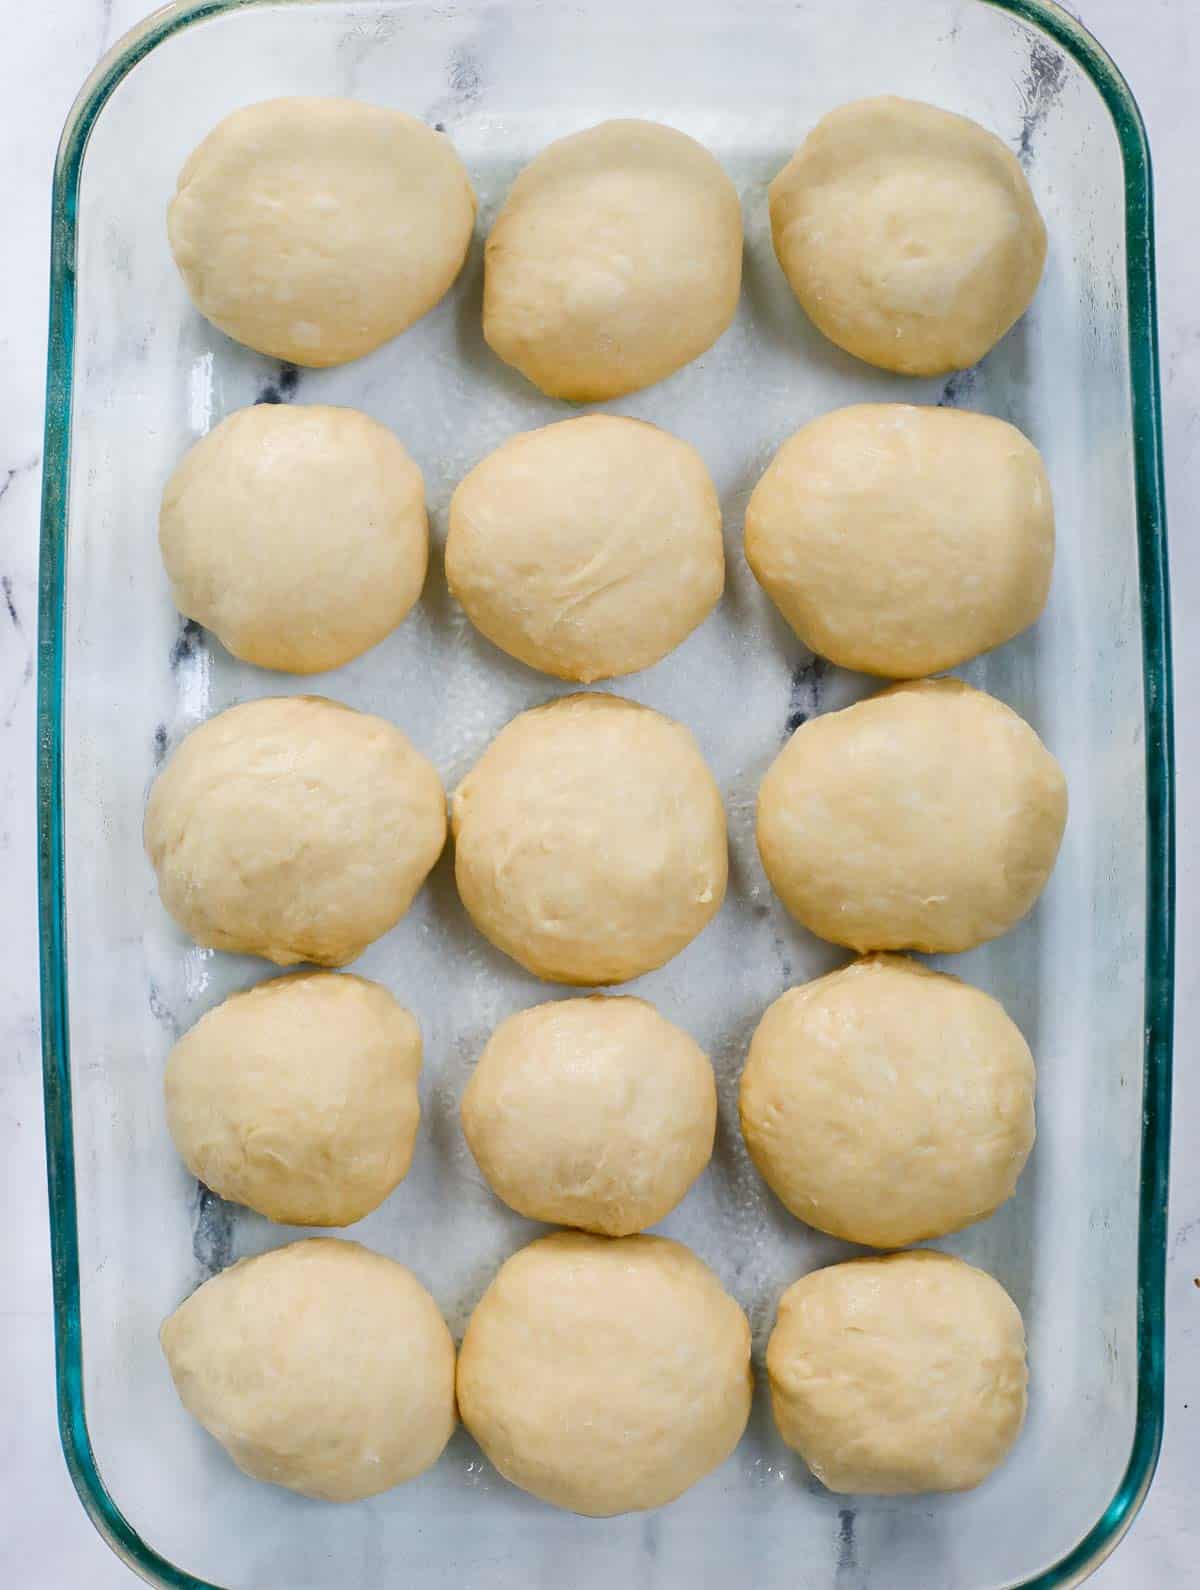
column 135, row 376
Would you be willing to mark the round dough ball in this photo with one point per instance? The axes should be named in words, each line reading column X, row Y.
column 298, row 1098
column 297, row 535
column 321, row 1366
column 909, row 235
column 616, row 259
column 294, row 828
column 927, row 817
column 590, row 840
column 897, row 1375
column 886, row 1103
column 588, row 548
column 605, row 1375
column 899, row 540
column 316, row 229
column 591, row 1112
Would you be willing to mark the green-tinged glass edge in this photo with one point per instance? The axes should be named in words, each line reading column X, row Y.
column 1048, row 18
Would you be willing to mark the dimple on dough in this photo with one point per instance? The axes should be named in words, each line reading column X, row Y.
column 615, row 260
column 898, row 1375
column 590, row 840
column 899, row 541
column 605, row 1375
column 322, row 1367
column 909, row 235
column 927, row 817
column 886, row 1103
column 589, row 548
column 298, row 1097
column 293, row 828
column 595, row 1112
column 297, row 534
column 315, row 229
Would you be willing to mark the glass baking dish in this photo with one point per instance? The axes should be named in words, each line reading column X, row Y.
column 135, row 376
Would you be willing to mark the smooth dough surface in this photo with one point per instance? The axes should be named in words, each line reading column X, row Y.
column 615, row 260
column 886, row 1103
column 321, row 1366
column 314, row 230
column 293, row 828
column 297, row 534
column 605, row 1375
column 927, row 817
column 897, row 1375
column 589, row 548
column 908, row 234
column 596, row 1113
column 899, row 541
column 298, row 1097
column 590, row 840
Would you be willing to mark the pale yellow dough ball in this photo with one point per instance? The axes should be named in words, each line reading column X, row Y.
column 605, row 1375
column 886, row 1103
column 590, row 840
column 615, row 260
column 927, row 817
column 321, row 1366
column 298, row 1097
column 900, row 540
column 316, row 229
column 293, row 828
column 296, row 534
column 587, row 549
column 595, row 1112
column 898, row 1375
column 908, row 234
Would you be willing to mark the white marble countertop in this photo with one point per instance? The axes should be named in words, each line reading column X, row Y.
column 48, row 49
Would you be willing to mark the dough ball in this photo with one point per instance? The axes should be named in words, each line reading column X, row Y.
column 294, row 828
column 605, row 1375
column 886, row 1103
column 899, row 540
column 298, row 1098
column 909, row 235
column 316, row 229
column 590, row 840
column 588, row 548
column 896, row 1375
column 591, row 1112
column 320, row 1366
column 927, row 817
column 297, row 535
column 616, row 259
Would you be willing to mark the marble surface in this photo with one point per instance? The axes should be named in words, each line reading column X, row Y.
column 43, row 1531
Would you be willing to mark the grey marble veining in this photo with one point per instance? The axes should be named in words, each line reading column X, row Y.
column 47, row 55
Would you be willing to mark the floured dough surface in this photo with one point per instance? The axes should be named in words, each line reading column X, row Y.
column 297, row 534
column 321, row 1366
column 927, row 817
column 898, row 1375
column 898, row 540
column 909, row 234
column 315, row 229
column 605, row 1375
column 298, row 1097
column 615, row 260
column 886, row 1103
column 596, row 1113
column 590, row 840
column 588, row 549
column 293, row 828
